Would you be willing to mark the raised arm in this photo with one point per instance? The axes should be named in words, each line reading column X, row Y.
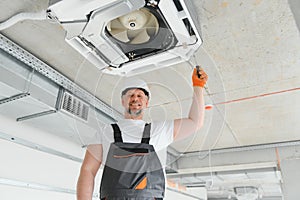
column 187, row 126
column 88, row 171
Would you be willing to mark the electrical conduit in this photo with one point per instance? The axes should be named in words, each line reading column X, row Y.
column 42, row 15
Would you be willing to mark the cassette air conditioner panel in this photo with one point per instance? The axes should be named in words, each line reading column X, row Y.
column 128, row 35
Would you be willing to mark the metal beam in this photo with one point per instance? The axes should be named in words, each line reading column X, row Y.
column 13, row 98
column 37, row 186
column 38, row 147
column 30, row 185
column 30, row 60
column 282, row 158
column 35, row 115
column 237, row 156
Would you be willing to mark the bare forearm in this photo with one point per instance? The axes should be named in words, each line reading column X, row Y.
column 85, row 185
column 187, row 126
column 88, row 171
column 199, row 78
column 196, row 113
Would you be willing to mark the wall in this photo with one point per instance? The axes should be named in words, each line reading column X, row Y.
column 35, row 164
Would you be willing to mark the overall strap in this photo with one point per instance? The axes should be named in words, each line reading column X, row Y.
column 146, row 134
column 117, row 133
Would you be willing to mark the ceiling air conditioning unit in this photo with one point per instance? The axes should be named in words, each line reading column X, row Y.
column 128, row 37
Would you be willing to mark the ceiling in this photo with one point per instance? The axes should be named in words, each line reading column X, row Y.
column 251, row 53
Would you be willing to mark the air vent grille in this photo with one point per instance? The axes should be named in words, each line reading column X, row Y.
column 178, row 5
column 75, row 106
column 188, row 26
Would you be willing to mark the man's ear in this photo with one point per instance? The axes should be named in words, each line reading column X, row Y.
column 122, row 101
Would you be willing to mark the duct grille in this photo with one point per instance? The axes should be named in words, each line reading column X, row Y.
column 75, row 106
column 246, row 193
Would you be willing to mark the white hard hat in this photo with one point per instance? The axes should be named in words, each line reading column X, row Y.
column 134, row 83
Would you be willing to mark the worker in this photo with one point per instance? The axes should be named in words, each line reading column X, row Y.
column 132, row 144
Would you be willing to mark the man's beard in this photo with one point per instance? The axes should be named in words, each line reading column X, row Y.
column 136, row 113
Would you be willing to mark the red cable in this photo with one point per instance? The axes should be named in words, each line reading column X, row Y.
column 261, row 95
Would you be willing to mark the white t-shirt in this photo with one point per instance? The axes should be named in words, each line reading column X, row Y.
column 161, row 135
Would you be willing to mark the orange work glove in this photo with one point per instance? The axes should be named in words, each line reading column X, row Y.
column 200, row 82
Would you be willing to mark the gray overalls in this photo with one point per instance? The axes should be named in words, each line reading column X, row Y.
column 132, row 170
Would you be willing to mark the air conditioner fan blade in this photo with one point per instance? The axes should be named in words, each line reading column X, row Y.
column 136, row 27
column 141, row 37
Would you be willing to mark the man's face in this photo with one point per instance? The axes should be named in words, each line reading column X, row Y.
column 134, row 101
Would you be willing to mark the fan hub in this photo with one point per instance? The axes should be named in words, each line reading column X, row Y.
column 132, row 24
column 134, row 20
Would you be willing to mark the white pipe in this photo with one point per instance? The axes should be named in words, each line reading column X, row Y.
column 42, row 15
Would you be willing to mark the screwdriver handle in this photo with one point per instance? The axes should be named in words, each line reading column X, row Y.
column 198, row 71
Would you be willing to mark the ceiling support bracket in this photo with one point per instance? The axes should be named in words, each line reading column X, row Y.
column 13, row 98
column 35, row 115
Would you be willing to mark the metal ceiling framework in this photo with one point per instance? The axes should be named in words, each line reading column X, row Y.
column 36, row 64
column 221, row 170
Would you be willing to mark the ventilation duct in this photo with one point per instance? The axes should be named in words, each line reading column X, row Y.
column 28, row 97
column 132, row 36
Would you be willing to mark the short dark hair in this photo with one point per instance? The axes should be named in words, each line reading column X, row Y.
column 130, row 88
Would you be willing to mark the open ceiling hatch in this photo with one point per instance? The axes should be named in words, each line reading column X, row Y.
column 129, row 36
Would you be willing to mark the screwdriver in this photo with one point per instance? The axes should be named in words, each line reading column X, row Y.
column 198, row 71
